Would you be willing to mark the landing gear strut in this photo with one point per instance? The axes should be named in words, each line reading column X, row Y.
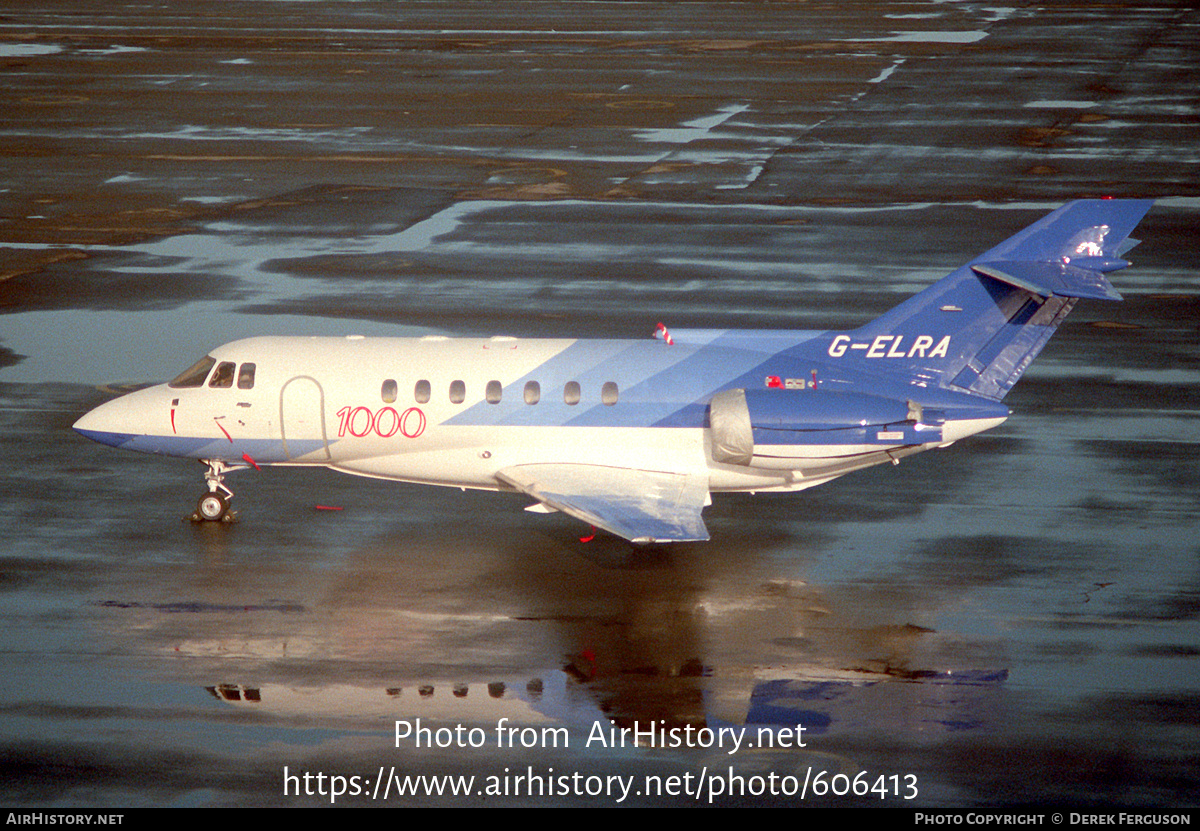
column 214, row 504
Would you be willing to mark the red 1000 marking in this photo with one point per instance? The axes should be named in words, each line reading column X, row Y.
column 384, row 422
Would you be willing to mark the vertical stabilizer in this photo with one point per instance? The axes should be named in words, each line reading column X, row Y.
column 980, row 327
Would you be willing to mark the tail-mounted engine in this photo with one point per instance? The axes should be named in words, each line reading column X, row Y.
column 741, row 420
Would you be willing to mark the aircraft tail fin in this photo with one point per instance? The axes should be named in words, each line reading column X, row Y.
column 979, row 328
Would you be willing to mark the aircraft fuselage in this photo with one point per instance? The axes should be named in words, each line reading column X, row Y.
column 454, row 412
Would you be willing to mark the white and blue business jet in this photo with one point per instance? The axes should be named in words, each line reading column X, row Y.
column 634, row 436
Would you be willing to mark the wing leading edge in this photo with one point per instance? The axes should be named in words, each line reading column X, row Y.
column 639, row 505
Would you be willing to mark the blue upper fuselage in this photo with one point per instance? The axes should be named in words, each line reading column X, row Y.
column 670, row 385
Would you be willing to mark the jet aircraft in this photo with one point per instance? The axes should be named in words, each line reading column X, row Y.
column 633, row 436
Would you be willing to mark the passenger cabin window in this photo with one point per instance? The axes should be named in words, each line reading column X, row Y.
column 194, row 375
column 246, row 377
column 493, row 392
column 571, row 392
column 608, row 393
column 421, row 392
column 458, row 392
column 222, row 377
column 533, row 392
column 388, row 392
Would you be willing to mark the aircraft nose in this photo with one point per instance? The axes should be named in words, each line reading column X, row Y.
column 111, row 423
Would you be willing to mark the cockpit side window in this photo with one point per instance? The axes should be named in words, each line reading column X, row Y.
column 246, row 376
column 194, row 375
column 222, row 378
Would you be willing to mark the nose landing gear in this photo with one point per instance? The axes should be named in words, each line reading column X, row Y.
column 214, row 504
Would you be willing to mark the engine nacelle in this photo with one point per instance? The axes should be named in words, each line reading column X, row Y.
column 741, row 419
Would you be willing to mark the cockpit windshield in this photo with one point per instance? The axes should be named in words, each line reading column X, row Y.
column 194, row 375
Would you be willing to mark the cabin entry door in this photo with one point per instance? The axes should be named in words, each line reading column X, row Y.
column 302, row 420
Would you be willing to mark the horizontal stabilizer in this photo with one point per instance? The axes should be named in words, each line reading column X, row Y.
column 1053, row 279
column 1128, row 245
column 638, row 505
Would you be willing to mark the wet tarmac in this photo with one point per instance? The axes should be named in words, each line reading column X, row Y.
column 1013, row 620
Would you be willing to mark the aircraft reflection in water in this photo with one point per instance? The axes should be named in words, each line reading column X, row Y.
column 635, row 436
column 454, row 629
column 925, row 703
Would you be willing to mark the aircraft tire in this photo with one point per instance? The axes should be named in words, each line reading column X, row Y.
column 212, row 507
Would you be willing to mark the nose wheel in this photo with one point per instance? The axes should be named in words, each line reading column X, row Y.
column 213, row 505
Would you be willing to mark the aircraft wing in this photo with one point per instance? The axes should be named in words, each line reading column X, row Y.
column 639, row 505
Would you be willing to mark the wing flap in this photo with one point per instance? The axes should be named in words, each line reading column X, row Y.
column 638, row 505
